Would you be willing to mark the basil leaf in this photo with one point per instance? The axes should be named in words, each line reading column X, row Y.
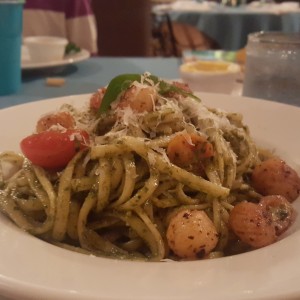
column 115, row 87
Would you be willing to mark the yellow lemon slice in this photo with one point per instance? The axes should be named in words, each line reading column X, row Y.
column 210, row 66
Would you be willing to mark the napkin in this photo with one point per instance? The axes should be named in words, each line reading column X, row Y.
column 193, row 6
column 280, row 8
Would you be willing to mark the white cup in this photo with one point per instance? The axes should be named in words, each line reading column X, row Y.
column 45, row 48
column 211, row 76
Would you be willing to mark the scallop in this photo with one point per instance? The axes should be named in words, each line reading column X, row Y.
column 249, row 223
column 280, row 211
column 191, row 234
column 63, row 119
column 274, row 177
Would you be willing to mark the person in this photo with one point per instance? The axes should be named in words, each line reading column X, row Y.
column 72, row 19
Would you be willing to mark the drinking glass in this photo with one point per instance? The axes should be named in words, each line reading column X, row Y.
column 272, row 67
column 11, row 16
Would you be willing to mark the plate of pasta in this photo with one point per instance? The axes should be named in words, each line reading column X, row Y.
column 145, row 190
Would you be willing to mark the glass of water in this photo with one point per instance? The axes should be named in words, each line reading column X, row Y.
column 273, row 67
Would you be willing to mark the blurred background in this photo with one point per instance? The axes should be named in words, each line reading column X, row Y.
column 158, row 27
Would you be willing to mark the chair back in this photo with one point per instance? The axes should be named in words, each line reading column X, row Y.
column 124, row 27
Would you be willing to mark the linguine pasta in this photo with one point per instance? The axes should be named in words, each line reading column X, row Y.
column 116, row 197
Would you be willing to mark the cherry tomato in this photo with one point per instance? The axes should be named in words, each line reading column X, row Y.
column 54, row 149
column 63, row 118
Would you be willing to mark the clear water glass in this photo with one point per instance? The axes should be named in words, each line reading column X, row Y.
column 273, row 67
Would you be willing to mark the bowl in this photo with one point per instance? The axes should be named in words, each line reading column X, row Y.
column 210, row 76
column 45, row 48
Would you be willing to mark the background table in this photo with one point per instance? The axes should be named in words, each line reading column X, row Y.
column 230, row 26
column 87, row 77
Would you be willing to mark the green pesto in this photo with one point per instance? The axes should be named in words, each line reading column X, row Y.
column 71, row 48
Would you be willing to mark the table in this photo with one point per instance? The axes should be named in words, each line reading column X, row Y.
column 86, row 77
column 229, row 26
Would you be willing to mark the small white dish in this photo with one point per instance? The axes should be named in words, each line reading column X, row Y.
column 45, row 48
column 211, row 76
column 28, row 64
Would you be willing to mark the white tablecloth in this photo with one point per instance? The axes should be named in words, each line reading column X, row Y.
column 230, row 26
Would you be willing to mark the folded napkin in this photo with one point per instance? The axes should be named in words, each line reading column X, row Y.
column 280, row 8
column 193, row 6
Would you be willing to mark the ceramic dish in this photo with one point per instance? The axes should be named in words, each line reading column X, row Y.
column 28, row 64
column 210, row 75
column 45, row 48
column 33, row 269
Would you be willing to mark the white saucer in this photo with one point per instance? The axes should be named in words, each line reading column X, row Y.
column 28, row 64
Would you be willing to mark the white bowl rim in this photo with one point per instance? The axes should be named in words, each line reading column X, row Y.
column 45, row 40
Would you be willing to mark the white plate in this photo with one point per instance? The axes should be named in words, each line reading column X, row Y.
column 33, row 269
column 28, row 64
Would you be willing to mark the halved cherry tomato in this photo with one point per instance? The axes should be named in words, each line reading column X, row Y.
column 54, row 149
